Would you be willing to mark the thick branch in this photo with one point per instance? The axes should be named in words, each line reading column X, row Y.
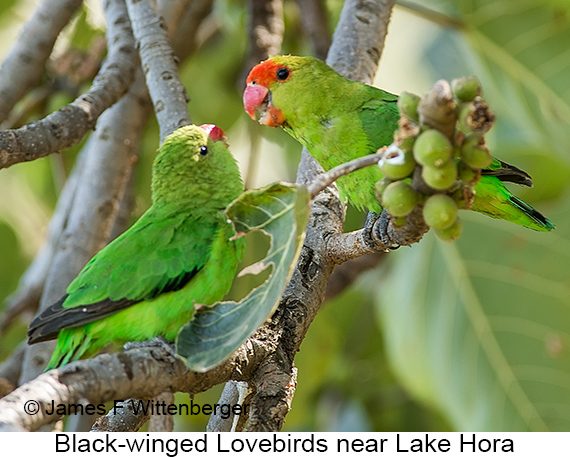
column 162, row 422
column 358, row 39
column 125, row 417
column 23, row 68
column 68, row 125
column 160, row 67
column 140, row 373
column 275, row 389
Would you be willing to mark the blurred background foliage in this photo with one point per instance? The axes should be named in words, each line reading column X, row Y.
column 472, row 335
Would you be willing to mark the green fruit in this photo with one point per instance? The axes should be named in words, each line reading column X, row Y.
column 408, row 105
column 440, row 211
column 475, row 116
column 466, row 89
column 451, row 233
column 464, row 117
column 467, row 174
column 475, row 153
column 402, row 171
column 406, row 144
column 399, row 199
column 432, row 148
column 440, row 178
column 380, row 187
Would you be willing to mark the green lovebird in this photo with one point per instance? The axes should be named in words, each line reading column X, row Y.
column 338, row 120
column 180, row 252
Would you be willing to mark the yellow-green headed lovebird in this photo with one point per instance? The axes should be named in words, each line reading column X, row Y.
column 180, row 252
column 338, row 120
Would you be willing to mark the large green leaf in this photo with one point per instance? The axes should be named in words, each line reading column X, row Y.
column 480, row 328
column 280, row 211
column 523, row 46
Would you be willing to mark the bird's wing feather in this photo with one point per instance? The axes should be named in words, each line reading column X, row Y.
column 508, row 173
column 158, row 254
column 379, row 117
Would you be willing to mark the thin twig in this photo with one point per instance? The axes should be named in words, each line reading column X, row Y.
column 326, row 179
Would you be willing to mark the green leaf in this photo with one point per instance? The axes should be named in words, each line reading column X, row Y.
column 480, row 328
column 215, row 332
column 523, row 46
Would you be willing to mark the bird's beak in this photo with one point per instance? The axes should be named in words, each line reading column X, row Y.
column 257, row 103
column 254, row 97
column 215, row 133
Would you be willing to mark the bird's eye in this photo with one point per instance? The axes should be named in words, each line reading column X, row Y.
column 203, row 150
column 282, row 74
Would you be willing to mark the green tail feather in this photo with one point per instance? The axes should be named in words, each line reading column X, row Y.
column 71, row 345
column 541, row 222
column 494, row 199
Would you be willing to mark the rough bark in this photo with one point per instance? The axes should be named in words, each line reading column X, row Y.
column 160, row 67
column 68, row 125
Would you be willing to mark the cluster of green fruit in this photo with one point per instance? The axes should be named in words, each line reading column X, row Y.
column 437, row 156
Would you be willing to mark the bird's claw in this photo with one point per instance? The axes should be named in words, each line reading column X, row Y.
column 157, row 341
column 376, row 230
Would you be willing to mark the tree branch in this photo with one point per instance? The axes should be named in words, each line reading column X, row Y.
column 10, row 370
column 138, row 372
column 122, row 418
column 234, row 393
column 326, row 179
column 23, row 68
column 162, row 422
column 68, row 125
column 160, row 67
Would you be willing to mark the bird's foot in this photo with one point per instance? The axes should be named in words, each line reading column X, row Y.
column 376, row 232
column 156, row 342
column 381, row 234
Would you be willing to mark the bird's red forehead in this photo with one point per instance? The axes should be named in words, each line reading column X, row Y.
column 264, row 73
